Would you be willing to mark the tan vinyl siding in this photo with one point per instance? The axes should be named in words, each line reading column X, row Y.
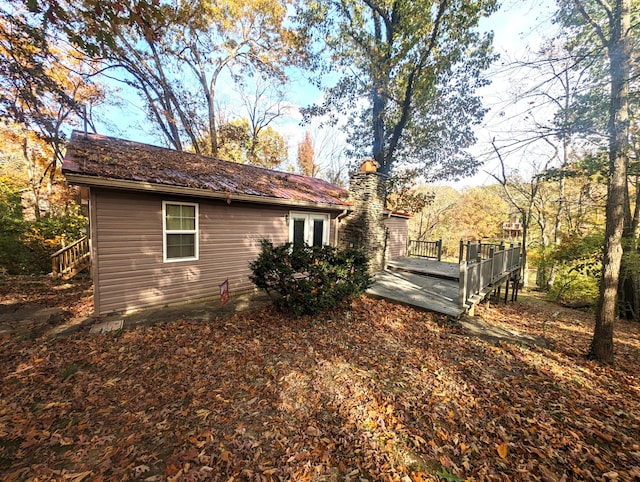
column 93, row 243
column 129, row 271
column 397, row 237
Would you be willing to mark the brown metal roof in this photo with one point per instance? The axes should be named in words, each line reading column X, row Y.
column 102, row 157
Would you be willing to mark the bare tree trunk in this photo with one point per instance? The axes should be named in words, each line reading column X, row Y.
column 561, row 200
column 618, row 127
column 525, row 237
column 635, row 238
column 34, row 183
column 378, row 130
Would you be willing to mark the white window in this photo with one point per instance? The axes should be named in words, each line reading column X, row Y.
column 311, row 229
column 180, row 231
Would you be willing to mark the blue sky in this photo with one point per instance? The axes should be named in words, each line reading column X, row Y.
column 518, row 27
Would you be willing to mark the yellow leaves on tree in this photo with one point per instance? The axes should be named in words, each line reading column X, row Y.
column 306, row 157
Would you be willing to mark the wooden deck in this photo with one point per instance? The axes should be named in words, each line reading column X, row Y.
column 450, row 288
column 428, row 267
column 427, row 292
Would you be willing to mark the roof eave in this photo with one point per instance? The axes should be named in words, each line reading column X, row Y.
column 397, row 214
column 93, row 181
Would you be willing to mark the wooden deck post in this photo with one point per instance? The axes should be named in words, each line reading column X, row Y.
column 462, row 283
column 491, row 256
column 506, row 290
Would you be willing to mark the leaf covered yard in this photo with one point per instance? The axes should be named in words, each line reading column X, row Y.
column 372, row 391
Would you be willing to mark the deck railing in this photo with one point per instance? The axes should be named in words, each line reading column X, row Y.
column 480, row 271
column 425, row 249
column 71, row 259
column 474, row 250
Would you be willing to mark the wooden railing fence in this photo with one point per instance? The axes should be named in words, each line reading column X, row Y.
column 425, row 249
column 71, row 259
column 481, row 269
column 473, row 250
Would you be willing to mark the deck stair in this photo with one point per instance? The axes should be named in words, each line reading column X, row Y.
column 71, row 260
column 447, row 287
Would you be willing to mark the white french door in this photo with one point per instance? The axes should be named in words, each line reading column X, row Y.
column 311, row 229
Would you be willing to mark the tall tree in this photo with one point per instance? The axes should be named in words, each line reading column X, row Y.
column 606, row 28
column 558, row 85
column 43, row 88
column 175, row 54
column 239, row 142
column 264, row 104
column 306, row 158
column 414, row 67
column 328, row 144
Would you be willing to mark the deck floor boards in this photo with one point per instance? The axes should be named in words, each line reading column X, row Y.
column 429, row 267
column 430, row 293
column 429, row 284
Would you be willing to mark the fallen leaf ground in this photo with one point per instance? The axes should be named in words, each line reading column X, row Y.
column 372, row 391
column 19, row 293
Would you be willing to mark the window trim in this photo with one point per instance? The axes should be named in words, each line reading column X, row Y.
column 309, row 217
column 195, row 232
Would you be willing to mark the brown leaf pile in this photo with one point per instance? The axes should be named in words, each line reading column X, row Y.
column 75, row 296
column 373, row 391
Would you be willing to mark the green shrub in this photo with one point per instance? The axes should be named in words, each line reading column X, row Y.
column 309, row 279
column 61, row 230
column 14, row 255
column 578, row 269
column 26, row 246
column 574, row 286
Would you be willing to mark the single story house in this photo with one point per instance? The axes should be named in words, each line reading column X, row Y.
column 168, row 226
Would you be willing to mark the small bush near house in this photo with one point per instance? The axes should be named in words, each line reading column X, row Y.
column 310, row 279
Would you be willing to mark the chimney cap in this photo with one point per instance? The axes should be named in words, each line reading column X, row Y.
column 369, row 165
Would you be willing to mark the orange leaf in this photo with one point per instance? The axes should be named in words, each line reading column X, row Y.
column 503, row 449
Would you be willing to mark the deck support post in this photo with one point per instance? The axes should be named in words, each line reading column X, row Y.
column 506, row 292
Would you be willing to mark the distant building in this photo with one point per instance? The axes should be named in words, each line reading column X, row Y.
column 512, row 229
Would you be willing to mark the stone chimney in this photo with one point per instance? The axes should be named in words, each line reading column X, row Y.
column 364, row 226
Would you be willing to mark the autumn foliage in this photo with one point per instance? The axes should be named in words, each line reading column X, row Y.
column 306, row 156
column 371, row 391
column 310, row 279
